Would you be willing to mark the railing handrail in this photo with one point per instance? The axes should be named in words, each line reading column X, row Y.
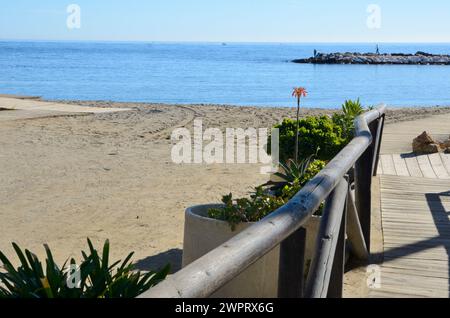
column 206, row 275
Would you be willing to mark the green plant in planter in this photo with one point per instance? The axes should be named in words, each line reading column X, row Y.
column 292, row 188
column 263, row 201
column 315, row 132
column 253, row 209
column 294, row 171
column 98, row 278
column 345, row 119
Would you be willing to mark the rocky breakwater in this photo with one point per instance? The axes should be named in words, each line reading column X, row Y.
column 420, row 58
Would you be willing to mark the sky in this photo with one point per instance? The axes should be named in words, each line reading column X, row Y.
column 228, row 20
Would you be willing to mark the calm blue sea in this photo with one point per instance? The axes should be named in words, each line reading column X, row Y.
column 237, row 74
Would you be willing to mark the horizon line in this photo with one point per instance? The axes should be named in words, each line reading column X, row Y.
column 219, row 42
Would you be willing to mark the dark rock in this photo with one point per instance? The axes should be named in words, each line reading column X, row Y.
column 425, row 144
column 445, row 144
column 420, row 58
column 423, row 53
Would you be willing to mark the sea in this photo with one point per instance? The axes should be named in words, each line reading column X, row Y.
column 241, row 74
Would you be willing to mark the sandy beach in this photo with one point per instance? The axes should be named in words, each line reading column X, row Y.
column 110, row 176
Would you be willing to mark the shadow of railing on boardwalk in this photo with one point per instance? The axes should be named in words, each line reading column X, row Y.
column 441, row 220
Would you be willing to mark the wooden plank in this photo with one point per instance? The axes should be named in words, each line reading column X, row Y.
column 426, row 246
column 432, row 245
column 417, row 263
column 427, row 234
column 443, row 232
column 380, row 168
column 434, row 209
column 440, row 222
column 446, row 160
column 415, row 206
column 420, row 194
column 405, row 197
column 416, row 271
column 410, row 231
column 438, row 268
column 407, row 180
column 400, row 250
column 412, row 217
column 415, row 243
column 419, row 292
column 413, row 167
column 400, row 166
column 436, row 212
column 416, row 218
column 438, row 166
column 387, row 164
column 424, row 201
column 392, row 286
column 416, row 223
column 378, row 294
column 391, row 228
column 411, row 226
column 413, row 281
column 416, row 256
column 425, row 167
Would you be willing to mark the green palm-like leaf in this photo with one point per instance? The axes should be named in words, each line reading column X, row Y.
column 99, row 278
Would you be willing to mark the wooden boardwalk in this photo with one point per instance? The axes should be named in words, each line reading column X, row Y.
column 415, row 212
column 435, row 166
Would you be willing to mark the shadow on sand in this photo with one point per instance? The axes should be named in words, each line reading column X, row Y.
column 172, row 257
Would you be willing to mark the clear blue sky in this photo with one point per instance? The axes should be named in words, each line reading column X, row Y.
column 228, row 20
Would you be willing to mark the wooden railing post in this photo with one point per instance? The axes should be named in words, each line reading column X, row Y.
column 335, row 289
column 364, row 171
column 291, row 268
column 354, row 231
column 327, row 268
column 377, row 132
column 363, row 184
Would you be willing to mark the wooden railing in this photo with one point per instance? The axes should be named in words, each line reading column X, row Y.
column 345, row 187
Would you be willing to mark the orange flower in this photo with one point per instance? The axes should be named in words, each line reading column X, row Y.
column 299, row 92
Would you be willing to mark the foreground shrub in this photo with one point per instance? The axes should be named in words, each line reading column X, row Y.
column 346, row 119
column 316, row 134
column 98, row 278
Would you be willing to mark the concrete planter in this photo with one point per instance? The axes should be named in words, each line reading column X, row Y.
column 202, row 234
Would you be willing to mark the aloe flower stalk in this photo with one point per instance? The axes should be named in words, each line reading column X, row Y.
column 298, row 92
